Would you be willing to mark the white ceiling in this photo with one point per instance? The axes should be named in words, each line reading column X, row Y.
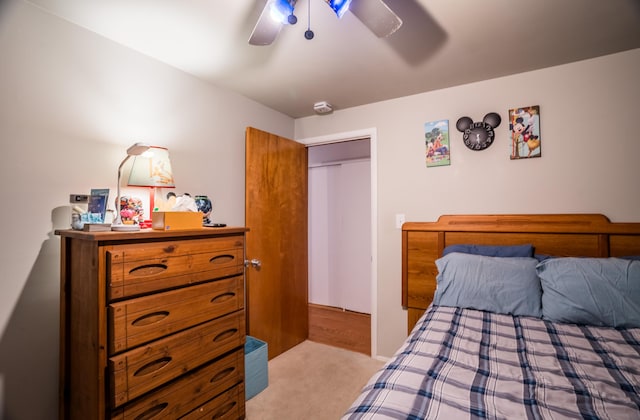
column 442, row 43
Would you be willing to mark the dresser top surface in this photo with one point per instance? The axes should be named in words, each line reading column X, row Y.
column 150, row 234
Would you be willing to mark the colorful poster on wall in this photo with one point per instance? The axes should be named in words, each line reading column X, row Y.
column 436, row 138
column 524, row 125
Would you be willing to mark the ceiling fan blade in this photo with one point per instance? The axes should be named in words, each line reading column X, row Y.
column 338, row 6
column 266, row 29
column 376, row 16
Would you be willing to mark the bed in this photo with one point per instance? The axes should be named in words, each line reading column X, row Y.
column 515, row 316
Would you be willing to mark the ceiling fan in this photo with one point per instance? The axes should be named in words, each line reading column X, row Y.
column 375, row 15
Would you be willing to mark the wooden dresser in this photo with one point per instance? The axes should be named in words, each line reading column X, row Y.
column 152, row 324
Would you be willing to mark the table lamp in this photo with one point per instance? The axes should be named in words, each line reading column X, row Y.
column 152, row 169
column 117, row 225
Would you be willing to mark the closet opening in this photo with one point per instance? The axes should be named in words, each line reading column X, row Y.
column 340, row 244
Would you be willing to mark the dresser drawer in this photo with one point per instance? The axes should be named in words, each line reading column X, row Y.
column 144, row 368
column 228, row 406
column 189, row 392
column 136, row 269
column 136, row 321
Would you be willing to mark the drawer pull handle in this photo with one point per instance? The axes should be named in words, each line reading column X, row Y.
column 150, row 318
column 223, row 297
column 152, row 366
column 225, row 334
column 221, row 259
column 148, row 270
column 152, row 412
column 223, row 410
column 222, row 374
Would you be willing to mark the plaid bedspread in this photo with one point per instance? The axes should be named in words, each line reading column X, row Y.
column 467, row 364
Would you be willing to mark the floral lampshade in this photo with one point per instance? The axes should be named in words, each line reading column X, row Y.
column 152, row 169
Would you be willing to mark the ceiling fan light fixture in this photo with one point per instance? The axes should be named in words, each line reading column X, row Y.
column 339, row 6
column 280, row 10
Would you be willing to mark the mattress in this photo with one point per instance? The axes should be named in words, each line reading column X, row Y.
column 464, row 363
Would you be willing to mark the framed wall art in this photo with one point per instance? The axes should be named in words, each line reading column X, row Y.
column 436, row 139
column 524, row 127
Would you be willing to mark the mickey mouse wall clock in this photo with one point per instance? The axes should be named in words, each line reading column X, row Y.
column 478, row 135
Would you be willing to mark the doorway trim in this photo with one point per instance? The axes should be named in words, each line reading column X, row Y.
column 372, row 135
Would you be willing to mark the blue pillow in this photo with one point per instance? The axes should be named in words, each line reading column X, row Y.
column 495, row 284
column 492, row 250
column 591, row 291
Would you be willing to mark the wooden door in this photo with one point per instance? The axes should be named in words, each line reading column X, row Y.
column 276, row 215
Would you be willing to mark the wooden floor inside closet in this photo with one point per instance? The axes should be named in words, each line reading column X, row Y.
column 340, row 328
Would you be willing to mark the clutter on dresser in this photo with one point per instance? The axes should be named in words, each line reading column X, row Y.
column 88, row 208
column 96, row 227
column 205, row 206
column 183, row 215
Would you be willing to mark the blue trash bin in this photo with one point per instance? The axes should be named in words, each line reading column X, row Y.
column 256, row 376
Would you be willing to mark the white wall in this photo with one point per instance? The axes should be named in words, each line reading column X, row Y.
column 71, row 102
column 589, row 157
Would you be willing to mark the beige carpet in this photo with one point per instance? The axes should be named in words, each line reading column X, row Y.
column 312, row 381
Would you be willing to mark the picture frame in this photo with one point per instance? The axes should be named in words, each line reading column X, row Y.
column 437, row 143
column 524, row 129
column 98, row 201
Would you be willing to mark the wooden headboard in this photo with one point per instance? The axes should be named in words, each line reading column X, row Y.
column 568, row 235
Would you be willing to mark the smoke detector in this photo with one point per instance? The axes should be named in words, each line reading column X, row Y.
column 323, row 107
